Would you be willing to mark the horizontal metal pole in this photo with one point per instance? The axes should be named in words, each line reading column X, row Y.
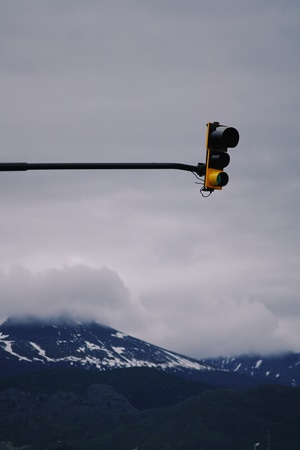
column 23, row 166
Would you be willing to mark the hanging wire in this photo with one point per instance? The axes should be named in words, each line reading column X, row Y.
column 199, row 177
column 203, row 192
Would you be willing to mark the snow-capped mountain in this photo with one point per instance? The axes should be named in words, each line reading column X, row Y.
column 34, row 344
column 274, row 369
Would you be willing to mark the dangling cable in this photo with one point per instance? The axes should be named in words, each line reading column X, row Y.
column 199, row 177
column 203, row 192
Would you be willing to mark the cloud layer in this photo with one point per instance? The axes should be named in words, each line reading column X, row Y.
column 175, row 317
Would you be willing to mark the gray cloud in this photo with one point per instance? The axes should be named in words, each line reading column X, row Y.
column 137, row 81
column 79, row 291
column 175, row 316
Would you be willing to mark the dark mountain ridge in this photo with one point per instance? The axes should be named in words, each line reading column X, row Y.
column 143, row 387
column 100, row 417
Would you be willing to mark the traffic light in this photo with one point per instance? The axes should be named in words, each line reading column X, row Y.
column 218, row 139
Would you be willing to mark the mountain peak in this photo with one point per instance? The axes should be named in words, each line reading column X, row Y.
column 65, row 342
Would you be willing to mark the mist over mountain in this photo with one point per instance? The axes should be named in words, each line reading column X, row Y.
column 31, row 344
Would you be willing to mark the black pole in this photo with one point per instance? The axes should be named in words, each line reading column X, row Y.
column 23, row 166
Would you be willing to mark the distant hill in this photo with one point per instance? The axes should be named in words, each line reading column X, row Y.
column 99, row 417
column 273, row 369
column 143, row 387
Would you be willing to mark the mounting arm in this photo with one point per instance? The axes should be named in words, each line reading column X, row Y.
column 23, row 166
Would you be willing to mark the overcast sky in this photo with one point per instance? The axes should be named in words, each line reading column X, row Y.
column 143, row 251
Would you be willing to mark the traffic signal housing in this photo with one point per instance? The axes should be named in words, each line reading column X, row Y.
column 218, row 139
